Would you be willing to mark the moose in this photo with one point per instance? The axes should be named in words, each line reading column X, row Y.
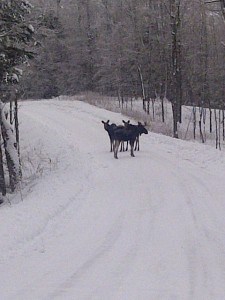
column 110, row 128
column 136, row 144
column 129, row 133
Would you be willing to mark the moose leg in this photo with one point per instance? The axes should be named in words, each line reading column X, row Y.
column 111, row 145
column 116, row 147
column 127, row 147
column 132, row 148
column 136, row 144
column 122, row 146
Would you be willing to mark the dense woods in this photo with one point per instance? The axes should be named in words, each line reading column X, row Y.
column 148, row 48
column 172, row 49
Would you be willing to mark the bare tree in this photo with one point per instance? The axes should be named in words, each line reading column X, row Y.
column 175, row 75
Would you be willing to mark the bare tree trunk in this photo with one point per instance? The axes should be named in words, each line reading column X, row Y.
column 219, row 129
column 17, row 134
column 17, row 126
column 148, row 106
column 2, row 174
column 143, row 89
column 13, row 178
column 204, row 121
column 153, row 108
column 204, row 71
column 175, row 121
column 223, row 124
column 176, row 63
column 210, row 120
column 163, row 110
column 161, row 98
column 200, row 124
column 11, row 112
column 11, row 154
column 194, row 122
column 222, row 2
column 216, row 124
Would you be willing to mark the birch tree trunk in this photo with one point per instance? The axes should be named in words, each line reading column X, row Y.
column 11, row 153
column 2, row 175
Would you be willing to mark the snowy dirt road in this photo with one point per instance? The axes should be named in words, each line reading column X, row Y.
column 95, row 228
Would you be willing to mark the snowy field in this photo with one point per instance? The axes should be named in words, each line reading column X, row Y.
column 88, row 227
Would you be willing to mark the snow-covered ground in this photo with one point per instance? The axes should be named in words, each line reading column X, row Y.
column 87, row 226
column 188, row 129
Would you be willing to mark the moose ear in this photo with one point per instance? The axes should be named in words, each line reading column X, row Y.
column 103, row 122
column 139, row 123
column 107, row 122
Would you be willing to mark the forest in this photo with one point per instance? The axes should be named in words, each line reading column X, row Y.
column 164, row 49
column 147, row 48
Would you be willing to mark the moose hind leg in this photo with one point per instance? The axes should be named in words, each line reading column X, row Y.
column 136, row 144
column 111, row 145
column 116, row 147
column 121, row 146
column 132, row 148
column 135, row 147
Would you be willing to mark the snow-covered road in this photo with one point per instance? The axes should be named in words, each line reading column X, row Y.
column 92, row 227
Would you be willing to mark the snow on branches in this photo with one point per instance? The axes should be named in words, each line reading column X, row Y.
column 16, row 37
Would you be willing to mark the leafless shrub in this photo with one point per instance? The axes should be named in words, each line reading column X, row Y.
column 36, row 163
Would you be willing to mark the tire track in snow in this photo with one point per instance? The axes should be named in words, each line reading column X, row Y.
column 109, row 240
column 140, row 243
column 200, row 201
column 194, row 214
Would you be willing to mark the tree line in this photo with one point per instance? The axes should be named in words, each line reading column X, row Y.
column 146, row 48
column 125, row 48
column 16, row 36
